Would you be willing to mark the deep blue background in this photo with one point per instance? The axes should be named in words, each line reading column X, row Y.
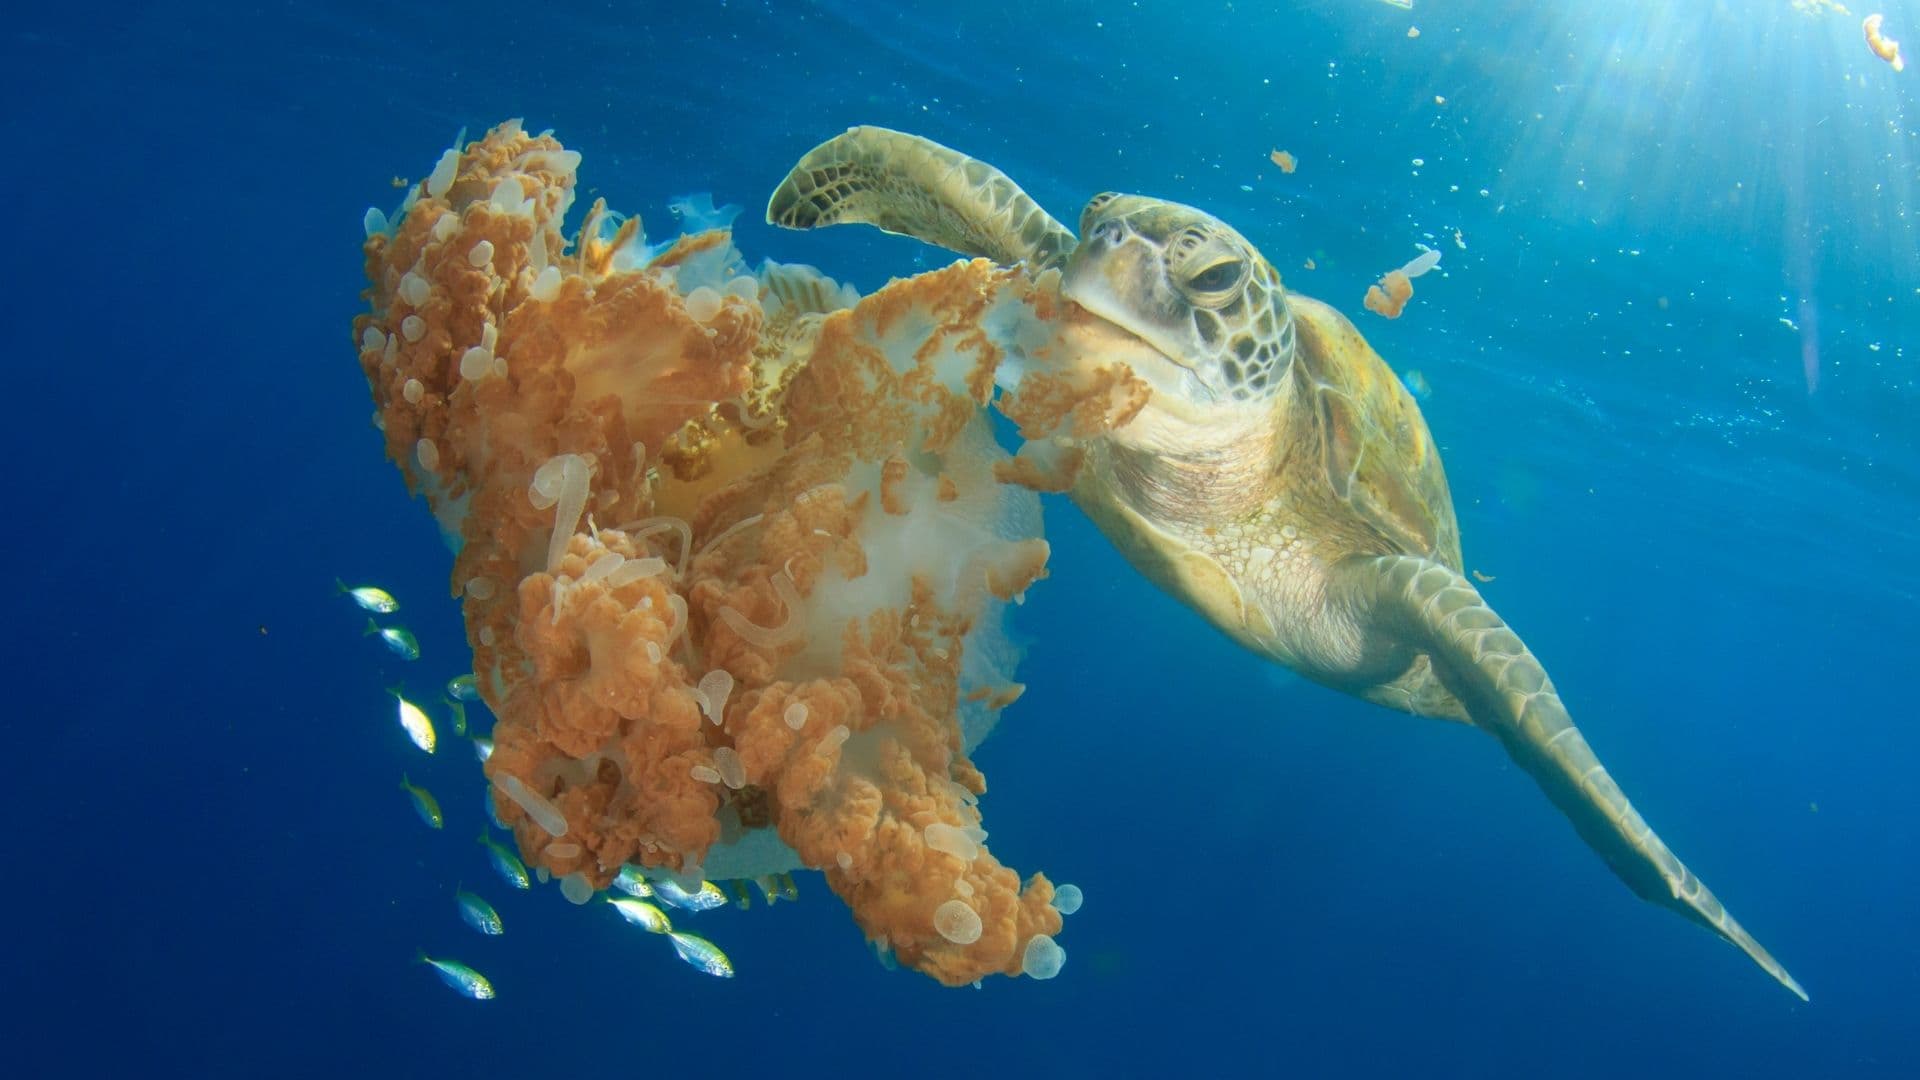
column 211, row 867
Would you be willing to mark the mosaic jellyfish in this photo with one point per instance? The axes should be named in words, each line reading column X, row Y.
column 732, row 548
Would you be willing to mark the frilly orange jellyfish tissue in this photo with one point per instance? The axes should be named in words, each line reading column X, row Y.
column 732, row 548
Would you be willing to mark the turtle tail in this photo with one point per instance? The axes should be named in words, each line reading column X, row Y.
column 1507, row 692
column 915, row 187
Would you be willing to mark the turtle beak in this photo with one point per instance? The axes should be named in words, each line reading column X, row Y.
column 1117, row 277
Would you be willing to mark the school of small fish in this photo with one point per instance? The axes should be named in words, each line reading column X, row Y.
column 632, row 892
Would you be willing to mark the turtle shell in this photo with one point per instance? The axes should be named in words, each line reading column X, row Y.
column 1378, row 456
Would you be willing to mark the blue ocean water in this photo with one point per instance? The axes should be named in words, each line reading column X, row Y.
column 1673, row 373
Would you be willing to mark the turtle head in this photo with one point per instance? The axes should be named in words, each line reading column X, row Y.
column 1192, row 289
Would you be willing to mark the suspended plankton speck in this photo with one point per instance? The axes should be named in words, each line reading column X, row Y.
column 369, row 597
column 1881, row 45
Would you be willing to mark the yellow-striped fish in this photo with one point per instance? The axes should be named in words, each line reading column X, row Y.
column 702, row 954
column 459, row 976
column 479, row 914
column 369, row 597
column 413, row 720
column 506, row 862
column 423, row 803
column 641, row 914
column 397, row 638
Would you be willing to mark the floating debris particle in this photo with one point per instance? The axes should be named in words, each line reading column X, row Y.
column 1883, row 46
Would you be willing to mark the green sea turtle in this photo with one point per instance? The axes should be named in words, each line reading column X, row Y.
column 1279, row 480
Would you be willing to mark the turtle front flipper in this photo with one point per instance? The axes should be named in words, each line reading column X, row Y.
column 1429, row 607
column 915, row 187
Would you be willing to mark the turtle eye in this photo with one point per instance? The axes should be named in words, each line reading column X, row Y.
column 1216, row 278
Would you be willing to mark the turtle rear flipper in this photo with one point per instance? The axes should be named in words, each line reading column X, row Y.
column 915, row 187
column 1506, row 691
